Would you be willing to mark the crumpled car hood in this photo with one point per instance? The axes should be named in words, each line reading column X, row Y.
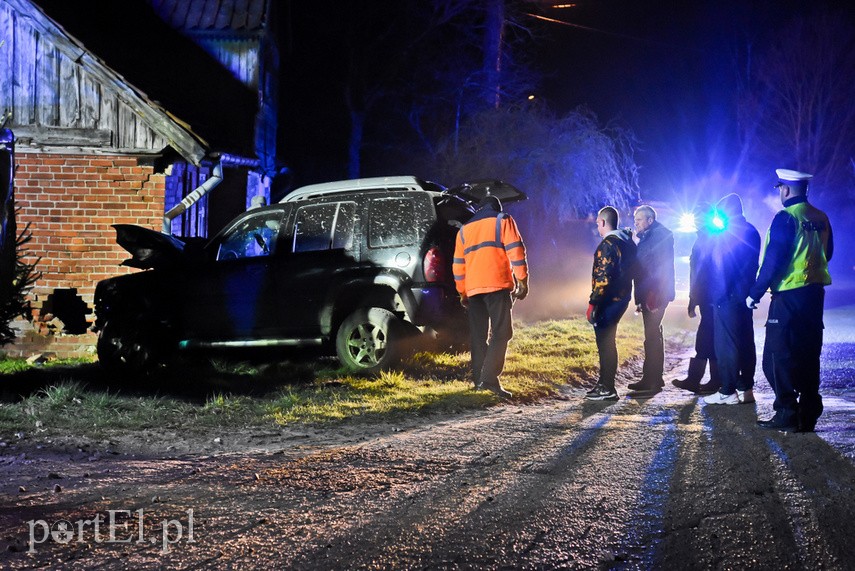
column 149, row 249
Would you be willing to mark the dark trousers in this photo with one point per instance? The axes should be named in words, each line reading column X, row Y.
column 654, row 345
column 491, row 328
column 791, row 354
column 705, row 337
column 606, row 336
column 735, row 351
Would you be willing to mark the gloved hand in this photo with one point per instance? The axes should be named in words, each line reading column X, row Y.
column 750, row 303
column 590, row 315
column 464, row 301
column 692, row 312
column 521, row 289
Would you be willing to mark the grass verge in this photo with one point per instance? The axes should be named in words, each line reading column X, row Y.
column 542, row 358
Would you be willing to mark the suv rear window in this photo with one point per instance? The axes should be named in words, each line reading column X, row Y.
column 391, row 222
column 324, row 226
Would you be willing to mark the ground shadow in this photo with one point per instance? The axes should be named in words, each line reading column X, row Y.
column 192, row 378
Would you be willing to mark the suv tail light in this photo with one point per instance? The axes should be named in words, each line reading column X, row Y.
column 434, row 265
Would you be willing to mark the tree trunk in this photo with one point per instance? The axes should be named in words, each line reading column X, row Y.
column 354, row 148
column 494, row 32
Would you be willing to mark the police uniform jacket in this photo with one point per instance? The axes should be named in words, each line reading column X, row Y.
column 798, row 247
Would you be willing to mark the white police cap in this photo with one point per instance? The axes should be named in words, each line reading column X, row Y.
column 788, row 176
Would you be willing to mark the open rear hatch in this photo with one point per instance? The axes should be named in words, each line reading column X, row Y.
column 474, row 191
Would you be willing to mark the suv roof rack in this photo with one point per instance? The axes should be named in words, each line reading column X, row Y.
column 379, row 183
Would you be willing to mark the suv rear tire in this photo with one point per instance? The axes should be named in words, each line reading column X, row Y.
column 370, row 340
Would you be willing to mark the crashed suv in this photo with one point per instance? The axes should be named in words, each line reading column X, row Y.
column 357, row 268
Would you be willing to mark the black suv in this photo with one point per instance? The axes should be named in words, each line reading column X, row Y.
column 354, row 267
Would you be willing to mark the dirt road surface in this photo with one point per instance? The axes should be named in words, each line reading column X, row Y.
column 651, row 483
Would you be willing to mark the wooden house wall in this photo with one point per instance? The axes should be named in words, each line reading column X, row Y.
column 56, row 102
column 240, row 57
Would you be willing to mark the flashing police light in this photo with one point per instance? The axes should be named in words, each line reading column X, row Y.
column 717, row 222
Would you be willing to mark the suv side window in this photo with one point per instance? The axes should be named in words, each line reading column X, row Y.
column 252, row 237
column 391, row 222
column 324, row 226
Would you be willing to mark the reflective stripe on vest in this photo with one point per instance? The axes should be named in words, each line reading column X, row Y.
column 497, row 243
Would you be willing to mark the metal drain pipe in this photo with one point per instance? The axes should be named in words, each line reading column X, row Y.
column 210, row 183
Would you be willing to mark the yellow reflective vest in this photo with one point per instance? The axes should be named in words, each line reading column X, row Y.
column 808, row 264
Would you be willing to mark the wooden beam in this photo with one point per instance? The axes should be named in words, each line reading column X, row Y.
column 61, row 136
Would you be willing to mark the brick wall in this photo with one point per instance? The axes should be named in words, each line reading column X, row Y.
column 70, row 202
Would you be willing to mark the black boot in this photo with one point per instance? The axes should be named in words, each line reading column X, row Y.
column 715, row 381
column 697, row 368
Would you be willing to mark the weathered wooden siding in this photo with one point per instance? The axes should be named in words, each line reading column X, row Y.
column 60, row 103
column 238, row 56
column 56, row 103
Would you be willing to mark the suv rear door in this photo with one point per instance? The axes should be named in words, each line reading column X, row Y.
column 320, row 242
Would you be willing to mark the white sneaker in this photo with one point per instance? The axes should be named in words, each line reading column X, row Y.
column 718, row 398
column 745, row 397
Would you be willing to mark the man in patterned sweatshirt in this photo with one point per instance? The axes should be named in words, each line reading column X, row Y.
column 611, row 291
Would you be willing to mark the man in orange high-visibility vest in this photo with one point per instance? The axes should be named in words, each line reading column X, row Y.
column 490, row 271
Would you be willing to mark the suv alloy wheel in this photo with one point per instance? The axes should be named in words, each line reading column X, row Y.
column 370, row 340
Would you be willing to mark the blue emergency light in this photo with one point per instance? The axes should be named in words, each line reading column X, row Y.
column 717, row 222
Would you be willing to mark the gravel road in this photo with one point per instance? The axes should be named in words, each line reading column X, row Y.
column 654, row 483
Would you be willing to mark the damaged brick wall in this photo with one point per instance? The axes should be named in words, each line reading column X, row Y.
column 70, row 202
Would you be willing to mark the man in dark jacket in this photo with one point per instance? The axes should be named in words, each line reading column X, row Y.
column 654, row 290
column 735, row 255
column 700, row 302
column 611, row 291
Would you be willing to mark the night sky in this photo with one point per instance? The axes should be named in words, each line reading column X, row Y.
column 665, row 69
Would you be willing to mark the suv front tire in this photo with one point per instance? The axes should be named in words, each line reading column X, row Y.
column 133, row 347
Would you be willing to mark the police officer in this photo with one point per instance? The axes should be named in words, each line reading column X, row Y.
column 794, row 267
column 490, row 270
